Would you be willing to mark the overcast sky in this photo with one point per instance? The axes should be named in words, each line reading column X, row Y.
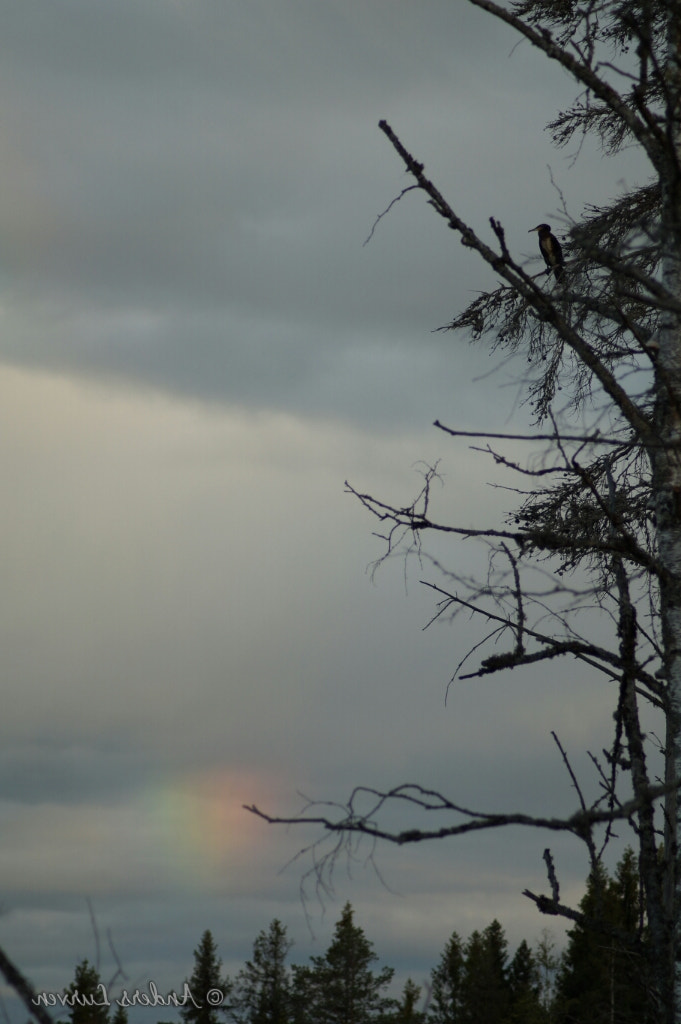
column 196, row 350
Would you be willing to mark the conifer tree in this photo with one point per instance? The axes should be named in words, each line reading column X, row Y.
column 603, row 976
column 446, row 981
column 263, row 987
column 524, row 989
column 341, row 987
column 302, row 986
column 485, row 987
column 210, row 991
column 407, row 1010
column 120, row 1016
column 87, row 996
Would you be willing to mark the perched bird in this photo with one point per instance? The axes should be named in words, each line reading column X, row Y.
column 549, row 247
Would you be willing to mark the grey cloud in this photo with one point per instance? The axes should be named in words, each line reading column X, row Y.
column 203, row 352
column 213, row 170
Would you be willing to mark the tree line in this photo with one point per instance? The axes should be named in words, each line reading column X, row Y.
column 597, row 979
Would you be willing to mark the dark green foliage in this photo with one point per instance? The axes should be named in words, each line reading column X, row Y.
column 447, row 981
column 472, row 984
column 602, row 976
column 263, row 986
column 524, row 988
column 87, row 996
column 301, row 1000
column 206, row 978
column 120, row 1016
column 485, row 985
column 341, row 987
column 407, row 1010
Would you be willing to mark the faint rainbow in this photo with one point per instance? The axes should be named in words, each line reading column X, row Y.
column 202, row 826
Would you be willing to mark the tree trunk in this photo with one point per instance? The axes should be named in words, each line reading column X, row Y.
column 667, row 490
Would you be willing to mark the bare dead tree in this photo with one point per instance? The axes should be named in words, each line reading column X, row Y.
column 599, row 522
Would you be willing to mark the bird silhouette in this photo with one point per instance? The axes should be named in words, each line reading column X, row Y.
column 549, row 247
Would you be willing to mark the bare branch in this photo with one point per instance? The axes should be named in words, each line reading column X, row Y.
column 417, row 521
column 393, row 202
column 525, row 286
column 579, row 824
column 23, row 989
column 551, row 871
column 595, row 439
column 650, row 136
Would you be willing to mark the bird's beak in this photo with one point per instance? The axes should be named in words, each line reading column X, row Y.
column 533, row 229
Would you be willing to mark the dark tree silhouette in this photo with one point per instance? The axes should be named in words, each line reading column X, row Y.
column 342, row 987
column 210, row 991
column 603, row 976
column 263, row 986
column 599, row 522
column 447, row 984
column 408, row 1009
column 87, row 996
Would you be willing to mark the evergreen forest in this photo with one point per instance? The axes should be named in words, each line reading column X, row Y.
column 597, row 979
